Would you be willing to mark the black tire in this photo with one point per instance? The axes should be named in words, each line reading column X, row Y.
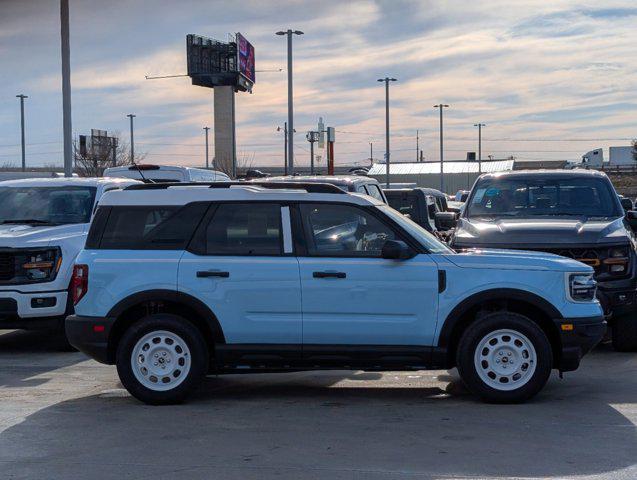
column 624, row 333
column 178, row 326
column 478, row 330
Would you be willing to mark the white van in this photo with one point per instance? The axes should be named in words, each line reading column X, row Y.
column 166, row 173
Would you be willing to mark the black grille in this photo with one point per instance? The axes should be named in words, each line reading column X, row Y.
column 7, row 266
column 589, row 256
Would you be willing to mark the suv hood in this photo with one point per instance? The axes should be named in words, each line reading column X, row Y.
column 539, row 232
column 516, row 260
column 20, row 236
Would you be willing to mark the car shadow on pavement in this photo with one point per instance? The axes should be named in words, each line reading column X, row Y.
column 26, row 354
column 336, row 425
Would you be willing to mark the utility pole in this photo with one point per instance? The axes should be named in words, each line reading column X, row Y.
column 206, row 130
column 132, row 138
column 371, row 153
column 24, row 161
column 290, row 149
column 312, row 137
column 479, row 125
column 417, row 146
column 66, row 88
column 387, row 80
column 442, row 176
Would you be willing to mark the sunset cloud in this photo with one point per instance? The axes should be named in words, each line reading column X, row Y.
column 531, row 70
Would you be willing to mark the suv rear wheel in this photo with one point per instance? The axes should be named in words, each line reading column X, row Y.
column 504, row 358
column 161, row 359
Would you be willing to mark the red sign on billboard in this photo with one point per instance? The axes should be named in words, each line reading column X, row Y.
column 245, row 58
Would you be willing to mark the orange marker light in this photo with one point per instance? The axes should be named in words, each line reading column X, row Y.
column 567, row 327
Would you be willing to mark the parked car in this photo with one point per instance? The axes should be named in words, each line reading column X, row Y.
column 574, row 213
column 461, row 196
column 416, row 204
column 166, row 173
column 176, row 282
column 43, row 225
column 347, row 183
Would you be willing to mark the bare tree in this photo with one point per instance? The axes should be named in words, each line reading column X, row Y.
column 245, row 161
column 91, row 161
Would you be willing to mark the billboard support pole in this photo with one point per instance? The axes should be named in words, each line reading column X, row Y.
column 66, row 88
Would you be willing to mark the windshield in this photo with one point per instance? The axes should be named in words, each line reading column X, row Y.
column 426, row 239
column 46, row 205
column 495, row 197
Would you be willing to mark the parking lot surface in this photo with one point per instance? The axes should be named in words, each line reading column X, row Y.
column 66, row 417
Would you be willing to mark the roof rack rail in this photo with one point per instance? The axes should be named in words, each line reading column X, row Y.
column 308, row 187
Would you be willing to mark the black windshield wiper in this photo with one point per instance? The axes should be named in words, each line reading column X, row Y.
column 27, row 221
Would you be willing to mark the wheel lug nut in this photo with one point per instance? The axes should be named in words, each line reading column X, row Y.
column 509, row 354
column 156, row 356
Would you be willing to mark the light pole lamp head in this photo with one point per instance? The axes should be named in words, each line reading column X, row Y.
column 281, row 33
column 441, row 105
column 297, row 32
column 479, row 125
column 21, row 96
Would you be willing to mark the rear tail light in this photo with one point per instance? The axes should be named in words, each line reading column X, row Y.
column 79, row 282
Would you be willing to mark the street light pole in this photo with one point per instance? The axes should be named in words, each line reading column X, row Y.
column 132, row 138
column 66, row 88
column 417, row 146
column 442, row 177
column 387, row 153
column 479, row 125
column 290, row 132
column 206, row 130
column 285, row 146
column 24, row 161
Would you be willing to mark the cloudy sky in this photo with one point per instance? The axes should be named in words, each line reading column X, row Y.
column 551, row 80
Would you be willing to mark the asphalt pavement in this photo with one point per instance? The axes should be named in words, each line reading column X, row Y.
column 63, row 416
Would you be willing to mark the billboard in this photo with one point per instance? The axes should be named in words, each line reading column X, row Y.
column 245, row 58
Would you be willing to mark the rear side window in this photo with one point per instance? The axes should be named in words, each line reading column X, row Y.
column 245, row 229
column 375, row 192
column 151, row 227
column 405, row 204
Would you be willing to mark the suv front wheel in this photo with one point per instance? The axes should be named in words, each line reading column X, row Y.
column 504, row 357
column 161, row 359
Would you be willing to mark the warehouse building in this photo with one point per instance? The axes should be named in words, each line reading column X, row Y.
column 457, row 175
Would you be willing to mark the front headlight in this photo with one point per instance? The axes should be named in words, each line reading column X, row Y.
column 582, row 287
column 40, row 265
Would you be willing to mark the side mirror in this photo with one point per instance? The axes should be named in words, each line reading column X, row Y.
column 396, row 250
column 627, row 204
column 446, row 220
column 631, row 219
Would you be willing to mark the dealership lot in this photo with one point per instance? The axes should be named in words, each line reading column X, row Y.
column 64, row 416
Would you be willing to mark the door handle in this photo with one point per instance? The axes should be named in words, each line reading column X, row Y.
column 212, row 273
column 329, row 274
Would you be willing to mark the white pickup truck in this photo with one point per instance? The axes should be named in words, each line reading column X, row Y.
column 43, row 226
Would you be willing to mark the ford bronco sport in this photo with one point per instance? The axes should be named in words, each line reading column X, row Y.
column 177, row 282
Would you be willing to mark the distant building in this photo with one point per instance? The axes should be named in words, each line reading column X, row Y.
column 457, row 175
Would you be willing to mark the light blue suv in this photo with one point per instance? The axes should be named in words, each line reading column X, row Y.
column 178, row 281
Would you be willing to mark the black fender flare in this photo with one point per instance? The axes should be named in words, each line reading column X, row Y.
column 496, row 294
column 172, row 296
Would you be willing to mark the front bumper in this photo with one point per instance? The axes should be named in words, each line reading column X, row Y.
column 578, row 336
column 90, row 336
column 32, row 310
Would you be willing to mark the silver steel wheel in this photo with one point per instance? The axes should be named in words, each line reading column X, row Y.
column 505, row 360
column 161, row 360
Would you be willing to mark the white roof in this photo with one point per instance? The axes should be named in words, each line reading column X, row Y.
column 172, row 168
column 181, row 195
column 65, row 182
column 425, row 168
